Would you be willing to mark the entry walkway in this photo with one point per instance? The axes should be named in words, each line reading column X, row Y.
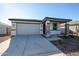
column 53, row 38
column 31, row 45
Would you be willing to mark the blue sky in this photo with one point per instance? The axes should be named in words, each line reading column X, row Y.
column 38, row 11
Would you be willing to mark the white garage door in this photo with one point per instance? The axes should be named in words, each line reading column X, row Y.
column 28, row 29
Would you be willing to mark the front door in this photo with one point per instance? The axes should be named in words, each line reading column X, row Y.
column 44, row 28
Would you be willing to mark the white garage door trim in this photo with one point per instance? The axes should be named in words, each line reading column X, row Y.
column 27, row 29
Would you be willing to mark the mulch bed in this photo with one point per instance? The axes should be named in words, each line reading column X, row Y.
column 69, row 45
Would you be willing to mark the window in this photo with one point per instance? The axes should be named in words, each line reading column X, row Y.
column 54, row 26
column 14, row 25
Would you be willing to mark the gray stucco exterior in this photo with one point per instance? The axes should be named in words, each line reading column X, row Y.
column 49, row 24
column 46, row 25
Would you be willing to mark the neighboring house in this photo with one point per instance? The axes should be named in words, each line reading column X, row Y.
column 48, row 26
column 3, row 28
column 74, row 27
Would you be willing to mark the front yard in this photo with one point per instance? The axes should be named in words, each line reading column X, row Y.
column 69, row 45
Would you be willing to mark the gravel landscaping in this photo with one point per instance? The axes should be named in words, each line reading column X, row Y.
column 69, row 45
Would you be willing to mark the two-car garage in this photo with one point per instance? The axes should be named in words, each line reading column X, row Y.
column 25, row 27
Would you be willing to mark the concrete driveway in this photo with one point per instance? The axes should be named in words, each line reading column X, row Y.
column 31, row 45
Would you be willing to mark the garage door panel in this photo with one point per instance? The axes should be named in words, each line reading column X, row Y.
column 28, row 29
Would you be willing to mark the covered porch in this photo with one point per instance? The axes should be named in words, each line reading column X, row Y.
column 55, row 26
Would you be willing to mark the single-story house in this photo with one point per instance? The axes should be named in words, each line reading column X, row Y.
column 47, row 27
column 4, row 29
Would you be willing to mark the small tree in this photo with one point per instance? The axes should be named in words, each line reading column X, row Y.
column 9, row 29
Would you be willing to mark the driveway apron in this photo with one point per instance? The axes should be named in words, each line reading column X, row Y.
column 31, row 45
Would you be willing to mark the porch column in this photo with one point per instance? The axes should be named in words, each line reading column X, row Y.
column 47, row 28
column 66, row 29
column 76, row 30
